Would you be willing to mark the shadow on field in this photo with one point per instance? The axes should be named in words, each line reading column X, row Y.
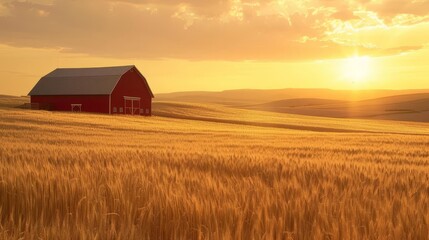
column 261, row 124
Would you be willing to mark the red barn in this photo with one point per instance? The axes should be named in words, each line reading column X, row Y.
column 112, row 90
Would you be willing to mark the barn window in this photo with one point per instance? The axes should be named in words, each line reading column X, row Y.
column 121, row 110
column 141, row 111
column 147, row 110
column 115, row 109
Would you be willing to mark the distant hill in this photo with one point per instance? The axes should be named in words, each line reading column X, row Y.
column 404, row 105
column 12, row 101
column 254, row 96
column 410, row 107
column 299, row 102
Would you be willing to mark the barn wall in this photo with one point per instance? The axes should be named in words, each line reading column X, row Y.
column 90, row 103
column 131, row 84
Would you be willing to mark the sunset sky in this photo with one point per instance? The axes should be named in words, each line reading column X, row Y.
column 184, row 45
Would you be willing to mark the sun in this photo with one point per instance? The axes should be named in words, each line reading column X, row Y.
column 356, row 69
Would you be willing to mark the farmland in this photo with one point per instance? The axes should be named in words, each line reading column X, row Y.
column 206, row 171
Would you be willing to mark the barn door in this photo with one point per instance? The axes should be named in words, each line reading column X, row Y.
column 132, row 105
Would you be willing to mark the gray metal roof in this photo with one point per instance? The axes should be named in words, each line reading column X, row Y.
column 81, row 81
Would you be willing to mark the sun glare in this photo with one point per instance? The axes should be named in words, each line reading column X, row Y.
column 356, row 69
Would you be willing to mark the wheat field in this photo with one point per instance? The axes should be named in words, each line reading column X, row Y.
column 88, row 176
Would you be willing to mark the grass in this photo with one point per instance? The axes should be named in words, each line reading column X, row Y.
column 87, row 176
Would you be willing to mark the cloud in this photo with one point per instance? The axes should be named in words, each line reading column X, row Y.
column 379, row 35
column 391, row 8
column 204, row 29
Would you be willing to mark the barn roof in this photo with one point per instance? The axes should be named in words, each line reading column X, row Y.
column 82, row 81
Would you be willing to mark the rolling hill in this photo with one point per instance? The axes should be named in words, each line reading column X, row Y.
column 411, row 107
column 402, row 105
column 255, row 96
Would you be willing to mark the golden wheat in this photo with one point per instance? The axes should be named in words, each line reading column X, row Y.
column 83, row 176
